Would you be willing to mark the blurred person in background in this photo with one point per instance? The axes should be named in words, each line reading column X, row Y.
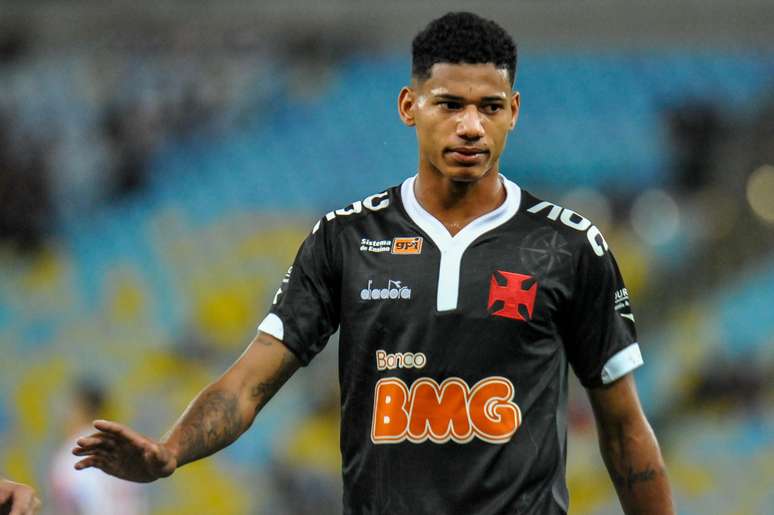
column 17, row 499
column 94, row 493
column 537, row 289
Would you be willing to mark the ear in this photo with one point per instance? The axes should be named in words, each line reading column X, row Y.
column 515, row 103
column 406, row 103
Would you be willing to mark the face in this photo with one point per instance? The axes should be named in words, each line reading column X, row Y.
column 462, row 114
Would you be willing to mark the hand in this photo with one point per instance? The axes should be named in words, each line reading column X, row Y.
column 17, row 499
column 124, row 453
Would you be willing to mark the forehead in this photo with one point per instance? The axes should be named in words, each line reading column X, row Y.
column 466, row 80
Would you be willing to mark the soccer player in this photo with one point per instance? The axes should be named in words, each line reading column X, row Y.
column 461, row 299
column 17, row 499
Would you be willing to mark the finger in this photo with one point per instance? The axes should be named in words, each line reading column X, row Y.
column 99, row 434
column 102, row 439
column 16, row 509
column 91, row 462
column 88, row 451
column 83, row 451
column 119, row 430
column 105, row 440
column 21, row 503
column 93, row 452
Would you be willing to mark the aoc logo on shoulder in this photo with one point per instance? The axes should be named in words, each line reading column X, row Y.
column 410, row 245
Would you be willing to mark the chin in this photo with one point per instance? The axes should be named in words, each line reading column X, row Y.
column 466, row 174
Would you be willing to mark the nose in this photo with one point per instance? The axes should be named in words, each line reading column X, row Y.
column 469, row 126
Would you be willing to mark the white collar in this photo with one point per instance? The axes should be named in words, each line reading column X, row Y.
column 453, row 247
column 484, row 223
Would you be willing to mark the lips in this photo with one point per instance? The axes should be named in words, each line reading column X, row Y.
column 467, row 155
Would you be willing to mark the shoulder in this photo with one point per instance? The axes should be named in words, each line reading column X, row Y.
column 374, row 206
column 577, row 229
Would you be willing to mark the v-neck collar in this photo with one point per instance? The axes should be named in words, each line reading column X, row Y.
column 453, row 247
column 484, row 223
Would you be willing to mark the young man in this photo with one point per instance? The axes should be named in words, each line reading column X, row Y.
column 461, row 299
column 17, row 499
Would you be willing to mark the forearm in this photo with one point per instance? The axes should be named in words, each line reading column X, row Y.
column 210, row 422
column 226, row 408
column 635, row 465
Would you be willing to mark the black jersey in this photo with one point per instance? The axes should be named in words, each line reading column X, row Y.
column 453, row 351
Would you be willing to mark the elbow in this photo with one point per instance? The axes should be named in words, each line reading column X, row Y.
column 626, row 433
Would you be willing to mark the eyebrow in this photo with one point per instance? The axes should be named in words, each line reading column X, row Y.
column 457, row 98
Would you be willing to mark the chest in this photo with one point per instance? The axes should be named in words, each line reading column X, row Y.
column 501, row 283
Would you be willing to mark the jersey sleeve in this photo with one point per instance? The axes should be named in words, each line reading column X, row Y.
column 600, row 338
column 305, row 309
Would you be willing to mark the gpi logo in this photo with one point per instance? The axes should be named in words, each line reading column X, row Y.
column 509, row 295
column 442, row 412
column 406, row 246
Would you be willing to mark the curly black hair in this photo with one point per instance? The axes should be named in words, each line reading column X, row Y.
column 462, row 37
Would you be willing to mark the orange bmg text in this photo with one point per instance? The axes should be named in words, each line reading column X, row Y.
column 442, row 412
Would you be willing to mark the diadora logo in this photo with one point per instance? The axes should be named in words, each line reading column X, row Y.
column 394, row 290
column 407, row 245
column 442, row 412
column 512, row 295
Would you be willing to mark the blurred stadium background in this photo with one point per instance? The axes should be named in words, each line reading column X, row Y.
column 160, row 162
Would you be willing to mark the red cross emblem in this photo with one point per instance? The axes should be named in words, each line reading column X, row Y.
column 508, row 288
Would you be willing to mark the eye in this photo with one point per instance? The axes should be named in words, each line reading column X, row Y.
column 492, row 108
column 451, row 105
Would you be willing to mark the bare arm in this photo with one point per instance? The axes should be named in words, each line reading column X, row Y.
column 215, row 418
column 630, row 450
column 226, row 408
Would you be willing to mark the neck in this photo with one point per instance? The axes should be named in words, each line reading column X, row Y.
column 457, row 203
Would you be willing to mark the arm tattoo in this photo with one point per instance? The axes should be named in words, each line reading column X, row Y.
column 631, row 477
column 214, row 420
column 211, row 423
column 265, row 390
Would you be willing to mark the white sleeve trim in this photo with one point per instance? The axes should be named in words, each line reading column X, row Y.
column 273, row 325
column 622, row 362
